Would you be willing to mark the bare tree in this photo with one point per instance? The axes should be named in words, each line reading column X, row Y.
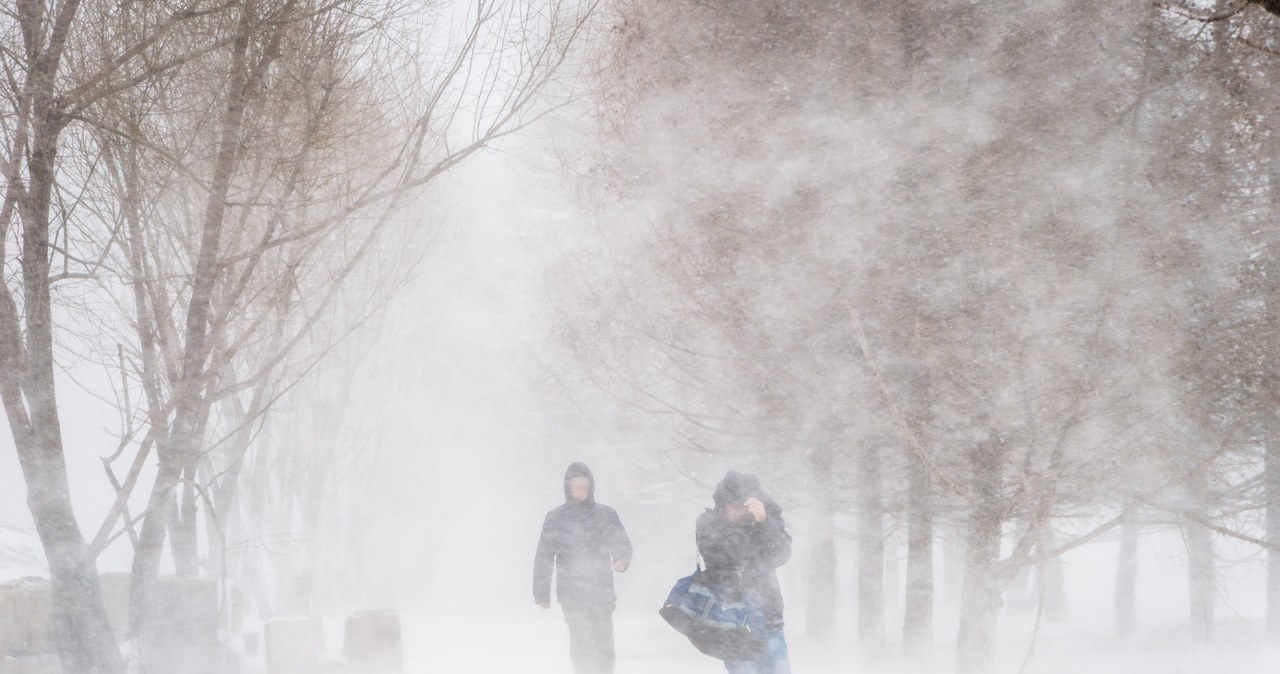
column 215, row 144
column 285, row 216
column 43, row 99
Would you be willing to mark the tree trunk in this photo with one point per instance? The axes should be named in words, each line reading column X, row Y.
column 85, row 642
column 870, row 549
column 311, row 498
column 183, row 443
column 821, row 617
column 912, row 36
column 1127, row 575
column 1201, row 577
column 84, row 638
column 1271, row 482
column 917, row 624
column 1050, row 580
column 176, row 454
column 980, row 599
column 146, row 557
column 953, row 548
column 221, row 516
column 214, row 514
column 892, row 571
column 246, row 563
column 1022, row 595
column 183, row 531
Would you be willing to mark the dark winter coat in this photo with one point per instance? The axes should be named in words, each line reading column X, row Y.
column 581, row 541
column 744, row 557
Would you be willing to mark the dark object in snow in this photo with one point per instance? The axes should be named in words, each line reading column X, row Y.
column 728, row 630
column 372, row 640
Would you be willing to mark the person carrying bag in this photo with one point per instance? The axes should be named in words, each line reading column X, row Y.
column 743, row 541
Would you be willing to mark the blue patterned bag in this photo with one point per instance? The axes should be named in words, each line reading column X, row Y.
column 722, row 629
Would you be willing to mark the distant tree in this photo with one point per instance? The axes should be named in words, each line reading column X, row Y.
column 1226, row 171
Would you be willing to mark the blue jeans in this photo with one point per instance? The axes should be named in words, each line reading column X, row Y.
column 775, row 662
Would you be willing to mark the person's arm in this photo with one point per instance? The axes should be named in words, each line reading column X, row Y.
column 772, row 537
column 544, row 563
column 619, row 543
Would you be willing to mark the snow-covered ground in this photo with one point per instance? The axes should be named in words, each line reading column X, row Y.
column 537, row 643
column 646, row 645
column 515, row 637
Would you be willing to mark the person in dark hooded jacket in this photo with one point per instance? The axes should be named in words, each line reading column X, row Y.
column 743, row 541
column 585, row 543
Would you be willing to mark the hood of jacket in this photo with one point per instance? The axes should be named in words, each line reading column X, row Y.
column 579, row 469
column 736, row 487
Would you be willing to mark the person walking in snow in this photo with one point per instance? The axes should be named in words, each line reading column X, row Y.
column 585, row 543
column 743, row 541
